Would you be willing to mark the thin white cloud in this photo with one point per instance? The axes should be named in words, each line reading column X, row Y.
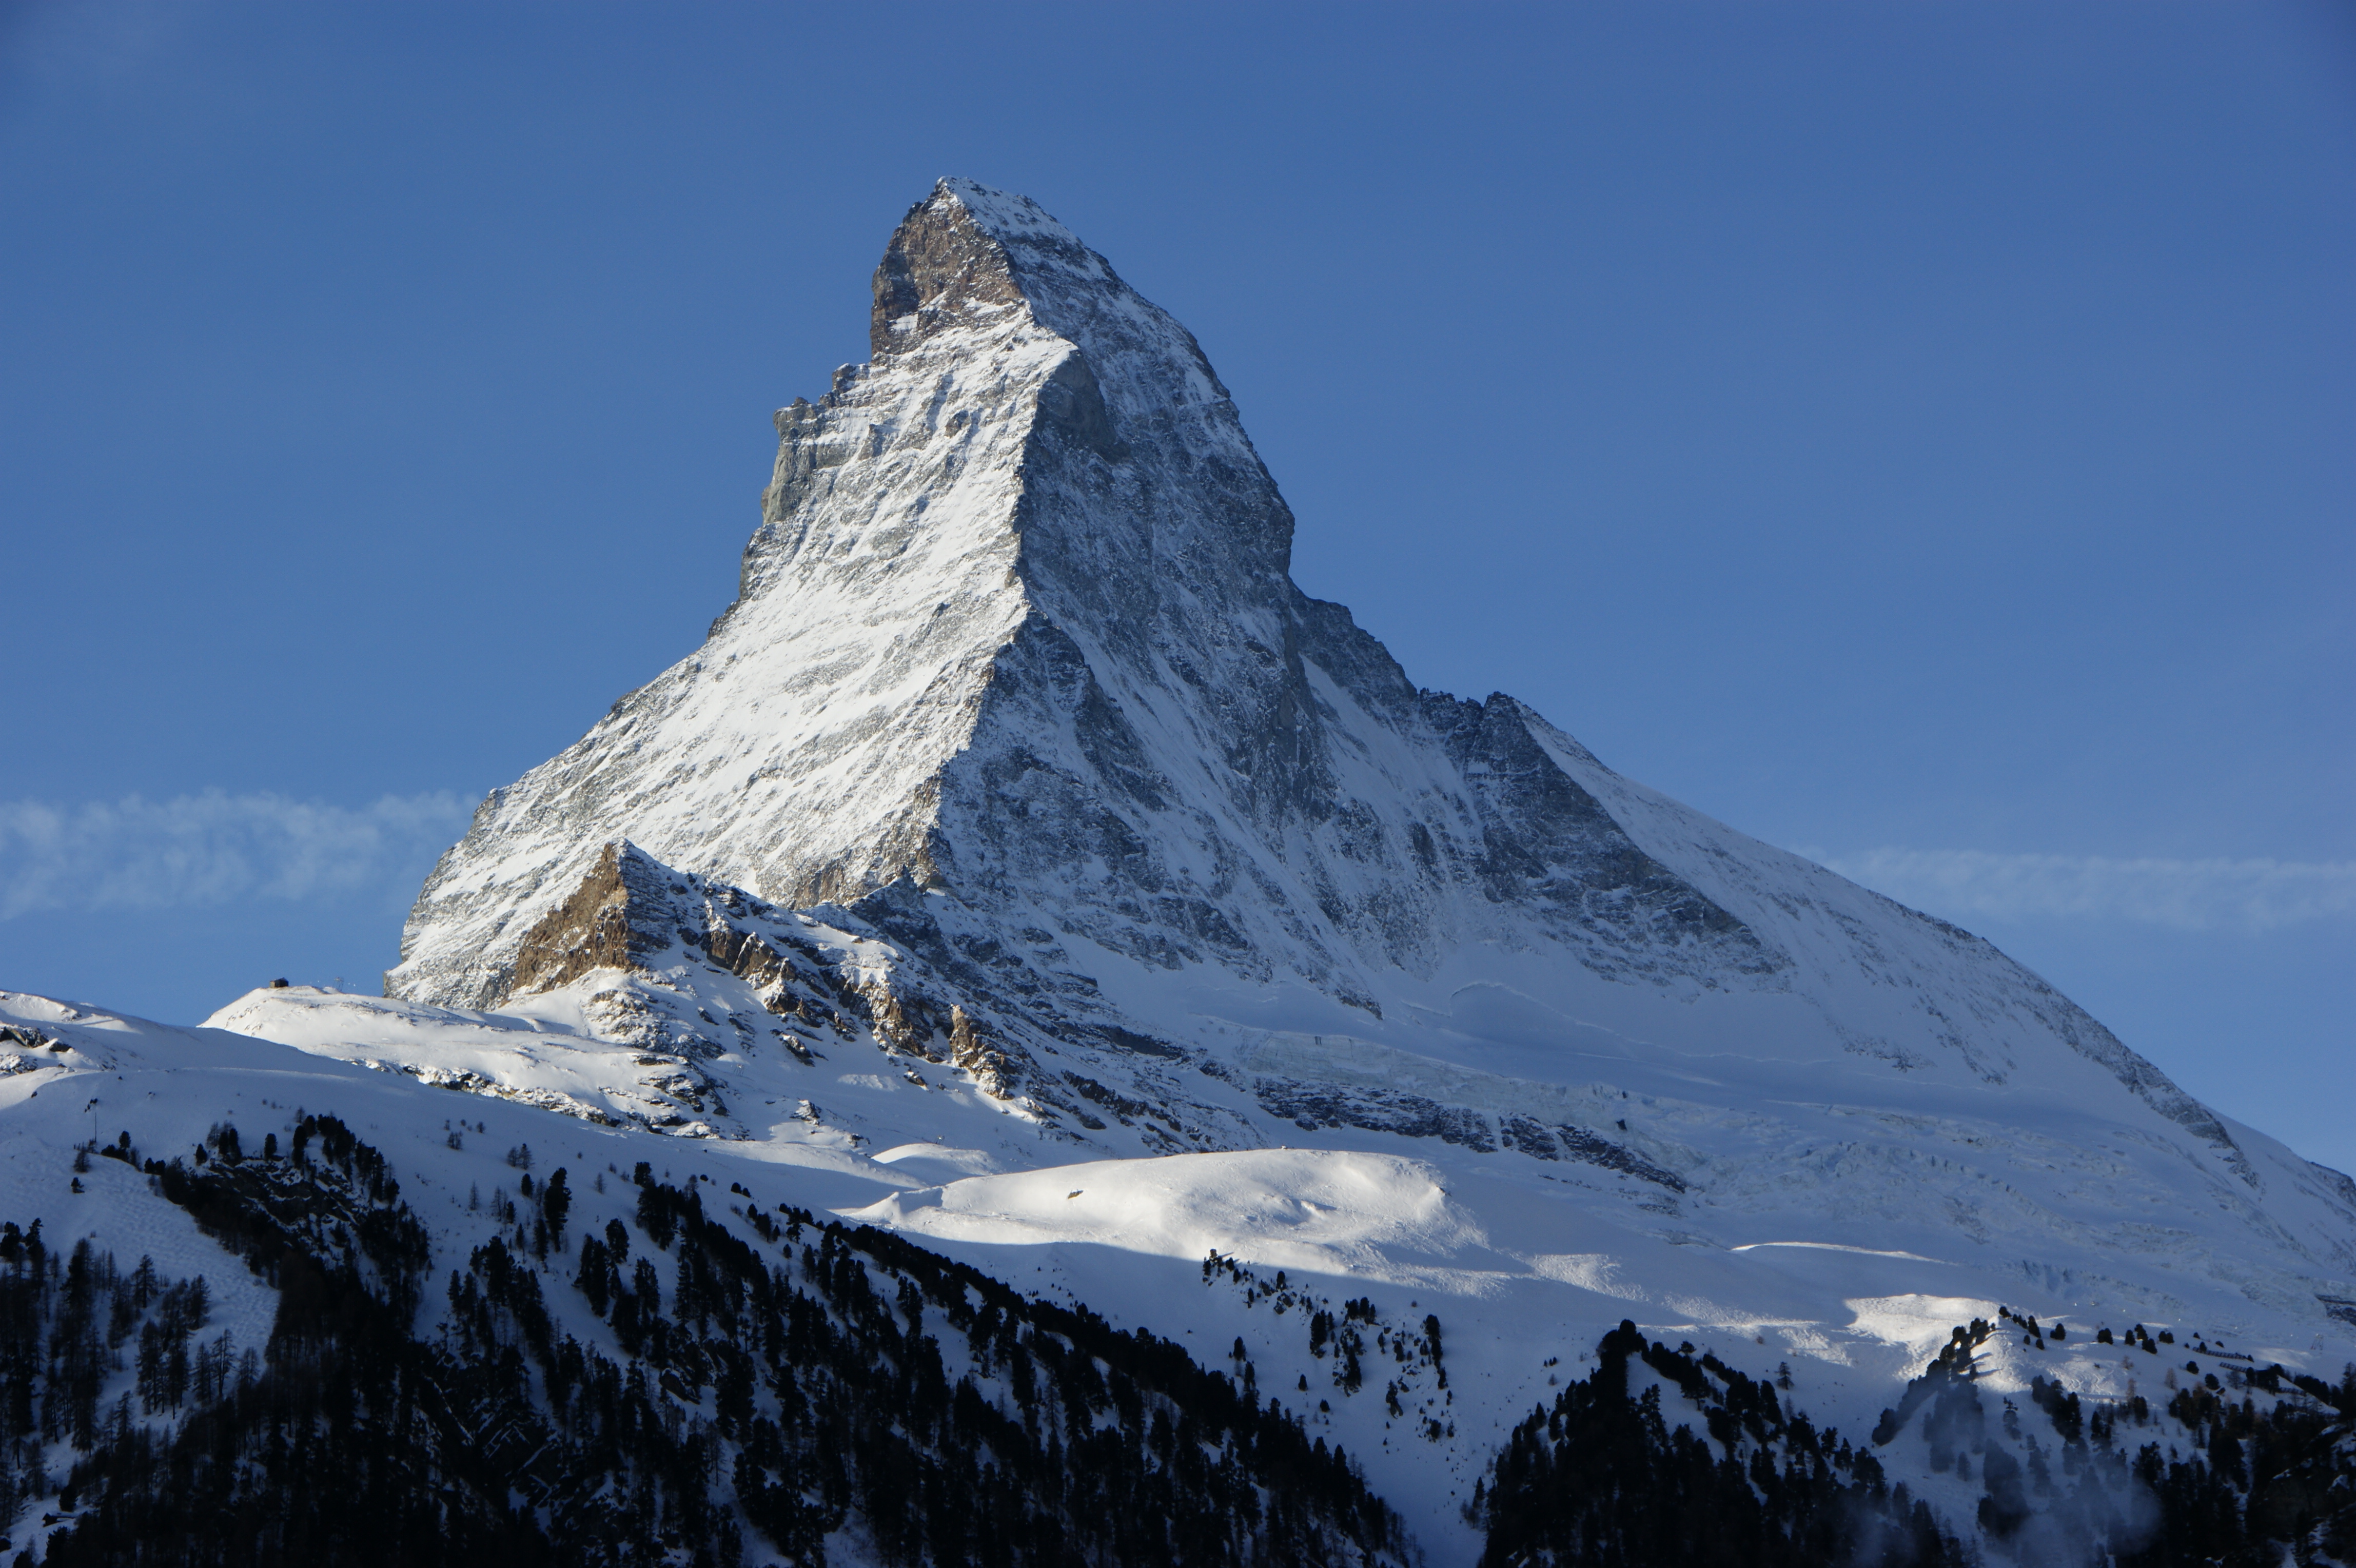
column 215, row 848
column 2190, row 895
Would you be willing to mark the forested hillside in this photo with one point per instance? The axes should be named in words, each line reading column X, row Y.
column 765, row 1387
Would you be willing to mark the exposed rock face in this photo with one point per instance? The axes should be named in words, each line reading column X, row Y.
column 592, row 930
column 633, row 914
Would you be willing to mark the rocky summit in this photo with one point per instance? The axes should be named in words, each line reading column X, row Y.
column 1116, row 1073
column 1016, row 636
column 1016, row 678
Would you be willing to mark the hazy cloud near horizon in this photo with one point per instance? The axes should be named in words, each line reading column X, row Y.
column 2188, row 894
column 217, row 848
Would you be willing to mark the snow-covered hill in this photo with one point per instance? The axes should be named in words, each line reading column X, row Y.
column 1026, row 866
column 1523, row 1264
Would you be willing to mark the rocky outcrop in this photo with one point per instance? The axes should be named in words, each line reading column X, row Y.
column 970, row 1051
column 941, row 270
column 592, row 930
column 633, row 914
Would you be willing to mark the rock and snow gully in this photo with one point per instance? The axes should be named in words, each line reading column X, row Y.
column 1025, row 865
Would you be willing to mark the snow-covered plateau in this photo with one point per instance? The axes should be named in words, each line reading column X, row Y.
column 1025, row 867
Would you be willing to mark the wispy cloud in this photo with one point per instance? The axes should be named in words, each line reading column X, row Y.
column 2191, row 895
column 215, row 848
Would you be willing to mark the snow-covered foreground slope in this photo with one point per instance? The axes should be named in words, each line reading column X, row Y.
column 463, row 1167
column 1524, row 1262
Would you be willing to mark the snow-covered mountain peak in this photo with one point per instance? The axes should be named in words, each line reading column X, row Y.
column 1017, row 629
column 1021, row 761
column 966, row 255
column 1017, row 676
column 1005, row 215
column 1038, row 478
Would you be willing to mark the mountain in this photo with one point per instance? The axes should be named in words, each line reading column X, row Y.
column 1016, row 631
column 303, row 1314
column 1027, row 875
column 1017, row 683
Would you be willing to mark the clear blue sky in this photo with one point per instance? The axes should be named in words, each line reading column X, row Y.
column 1922, row 435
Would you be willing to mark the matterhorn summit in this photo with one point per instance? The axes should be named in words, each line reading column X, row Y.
column 1019, row 751
column 1016, row 681
column 1016, row 634
column 1107, row 1056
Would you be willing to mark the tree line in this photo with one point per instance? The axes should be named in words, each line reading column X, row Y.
column 764, row 1386
column 2242, row 1471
